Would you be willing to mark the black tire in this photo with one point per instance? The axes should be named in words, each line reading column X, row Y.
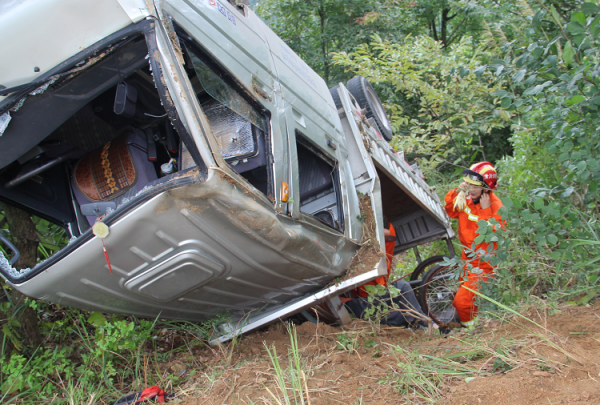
column 426, row 265
column 437, row 292
column 336, row 97
column 366, row 97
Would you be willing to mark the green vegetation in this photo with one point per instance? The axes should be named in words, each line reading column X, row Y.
column 452, row 109
column 315, row 28
column 550, row 245
column 293, row 376
column 108, row 353
column 514, row 82
column 347, row 342
column 88, row 355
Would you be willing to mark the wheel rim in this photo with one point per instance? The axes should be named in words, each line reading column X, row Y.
column 440, row 292
column 379, row 110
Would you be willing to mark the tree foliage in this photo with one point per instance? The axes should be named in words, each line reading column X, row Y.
column 316, row 28
column 447, row 21
column 443, row 100
column 553, row 95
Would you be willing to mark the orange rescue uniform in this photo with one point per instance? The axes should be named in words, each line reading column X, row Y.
column 467, row 232
column 390, row 243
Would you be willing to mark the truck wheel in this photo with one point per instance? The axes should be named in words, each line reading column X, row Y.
column 366, row 97
column 437, row 292
column 422, row 269
column 424, row 266
column 336, row 96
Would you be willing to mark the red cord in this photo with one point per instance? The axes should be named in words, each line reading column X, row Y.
column 106, row 256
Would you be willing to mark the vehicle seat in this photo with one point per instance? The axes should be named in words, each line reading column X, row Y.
column 104, row 175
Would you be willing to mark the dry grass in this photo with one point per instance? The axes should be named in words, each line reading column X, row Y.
column 313, row 368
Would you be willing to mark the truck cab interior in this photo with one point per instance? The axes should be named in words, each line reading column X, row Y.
column 88, row 143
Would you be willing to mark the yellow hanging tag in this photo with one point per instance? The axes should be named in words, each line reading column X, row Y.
column 100, row 229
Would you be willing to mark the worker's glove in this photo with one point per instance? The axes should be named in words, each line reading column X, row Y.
column 460, row 201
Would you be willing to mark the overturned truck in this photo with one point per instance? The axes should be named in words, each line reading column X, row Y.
column 226, row 172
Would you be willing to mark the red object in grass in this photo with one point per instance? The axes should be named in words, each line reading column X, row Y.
column 153, row 392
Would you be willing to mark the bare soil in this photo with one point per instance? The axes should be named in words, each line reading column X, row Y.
column 547, row 376
column 508, row 361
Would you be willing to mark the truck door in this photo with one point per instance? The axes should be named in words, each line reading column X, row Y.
column 232, row 42
column 300, row 108
column 317, row 159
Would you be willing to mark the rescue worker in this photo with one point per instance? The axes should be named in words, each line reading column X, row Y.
column 478, row 203
column 409, row 309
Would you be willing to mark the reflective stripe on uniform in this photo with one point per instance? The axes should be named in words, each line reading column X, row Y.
column 471, row 217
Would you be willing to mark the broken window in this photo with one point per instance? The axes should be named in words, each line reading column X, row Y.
column 240, row 128
column 318, row 185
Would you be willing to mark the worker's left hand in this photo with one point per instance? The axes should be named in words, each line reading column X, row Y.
column 464, row 186
column 484, row 201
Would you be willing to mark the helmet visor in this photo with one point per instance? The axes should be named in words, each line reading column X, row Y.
column 472, row 177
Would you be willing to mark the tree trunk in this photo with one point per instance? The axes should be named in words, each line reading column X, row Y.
column 324, row 44
column 444, row 20
column 433, row 29
column 24, row 236
column 444, row 27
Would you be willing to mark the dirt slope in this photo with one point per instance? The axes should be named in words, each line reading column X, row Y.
column 547, row 375
column 509, row 362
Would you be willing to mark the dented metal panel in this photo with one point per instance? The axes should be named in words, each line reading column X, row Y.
column 194, row 252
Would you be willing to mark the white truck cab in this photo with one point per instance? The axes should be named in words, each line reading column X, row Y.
column 226, row 173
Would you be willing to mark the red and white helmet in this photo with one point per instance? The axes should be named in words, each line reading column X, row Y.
column 481, row 174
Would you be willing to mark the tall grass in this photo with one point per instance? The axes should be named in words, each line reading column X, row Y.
column 291, row 381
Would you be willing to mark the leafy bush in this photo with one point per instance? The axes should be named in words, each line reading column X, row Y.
column 551, row 244
column 114, row 347
column 553, row 177
column 443, row 104
column 96, row 359
column 34, row 374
